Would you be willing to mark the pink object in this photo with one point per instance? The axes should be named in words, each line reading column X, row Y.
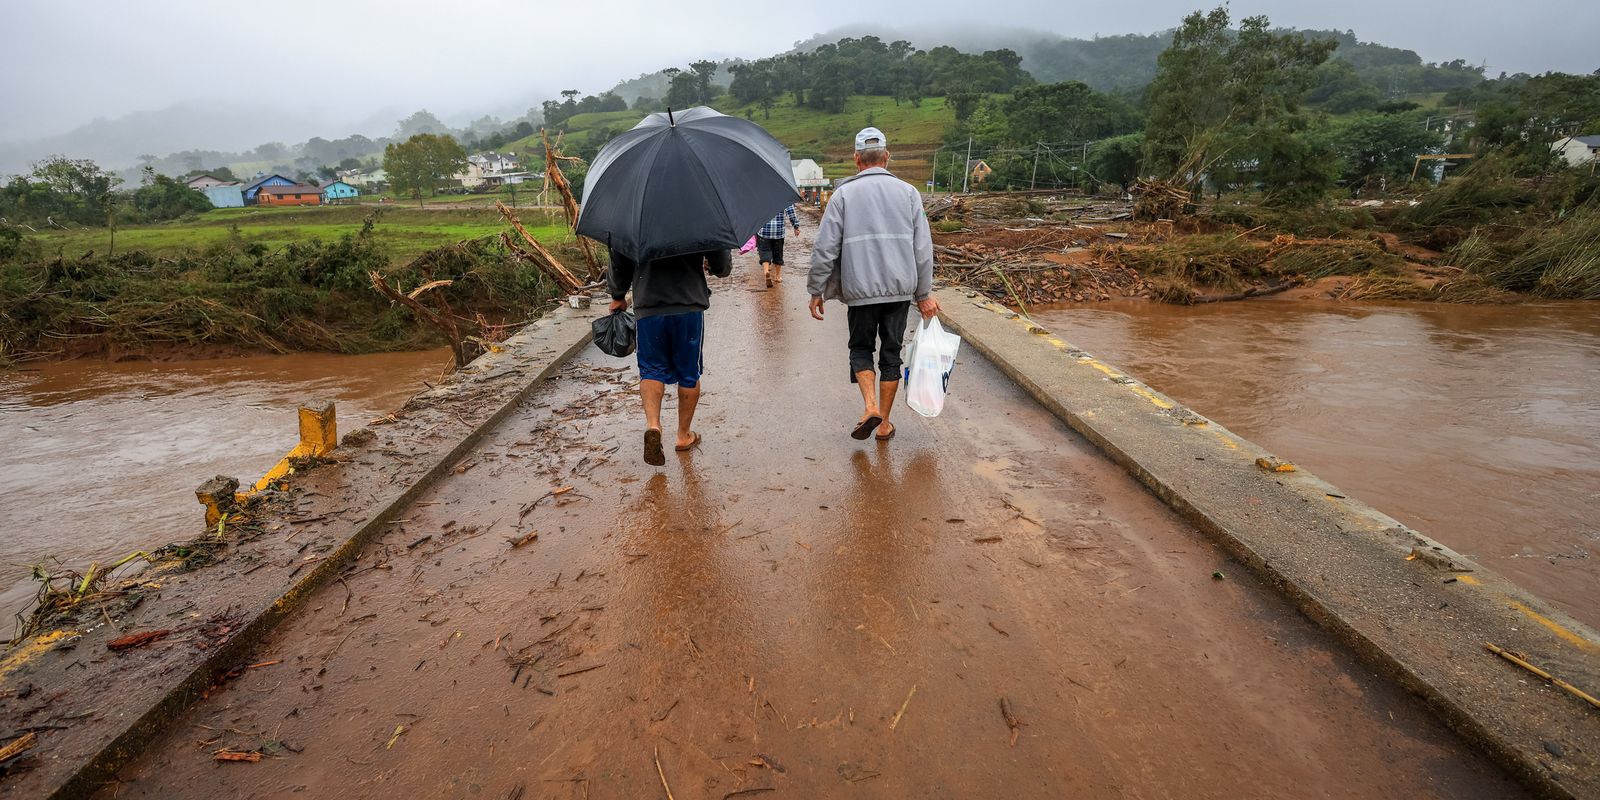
column 748, row 246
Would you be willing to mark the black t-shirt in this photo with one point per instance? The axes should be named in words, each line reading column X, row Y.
column 671, row 285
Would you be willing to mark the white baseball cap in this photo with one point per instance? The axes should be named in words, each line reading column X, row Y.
column 870, row 138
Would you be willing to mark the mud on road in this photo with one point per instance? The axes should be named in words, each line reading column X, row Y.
column 788, row 609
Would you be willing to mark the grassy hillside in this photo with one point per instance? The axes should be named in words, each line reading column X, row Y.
column 404, row 232
column 913, row 131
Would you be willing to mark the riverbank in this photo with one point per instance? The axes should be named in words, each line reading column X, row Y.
column 1487, row 237
column 269, row 282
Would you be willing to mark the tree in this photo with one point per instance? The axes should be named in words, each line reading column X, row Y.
column 422, row 162
column 420, row 122
column 161, row 198
column 1384, row 145
column 963, row 103
column 85, row 191
column 1117, row 159
column 703, row 71
column 683, row 90
column 1216, row 91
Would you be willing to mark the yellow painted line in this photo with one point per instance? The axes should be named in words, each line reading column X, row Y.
column 1469, row 580
column 1556, row 628
column 33, row 648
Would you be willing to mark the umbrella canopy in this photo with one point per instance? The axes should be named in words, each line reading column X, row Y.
column 683, row 183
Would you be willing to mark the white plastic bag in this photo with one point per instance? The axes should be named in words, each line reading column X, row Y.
column 928, row 366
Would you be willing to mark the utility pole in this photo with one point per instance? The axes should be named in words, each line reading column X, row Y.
column 967, row 171
column 1033, row 181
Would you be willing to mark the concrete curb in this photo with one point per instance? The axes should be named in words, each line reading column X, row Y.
column 1417, row 610
column 542, row 346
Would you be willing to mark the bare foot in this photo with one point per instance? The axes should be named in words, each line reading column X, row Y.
column 687, row 443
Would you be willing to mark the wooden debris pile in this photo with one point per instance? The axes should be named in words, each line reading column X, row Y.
column 1155, row 200
column 554, row 177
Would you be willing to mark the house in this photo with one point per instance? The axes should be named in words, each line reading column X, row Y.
column 339, row 192
column 252, row 188
column 225, row 195
column 200, row 183
column 808, row 174
column 1578, row 150
column 489, row 168
column 294, row 194
column 808, row 178
column 362, row 178
column 978, row 170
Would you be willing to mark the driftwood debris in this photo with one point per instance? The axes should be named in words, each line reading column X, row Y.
column 1159, row 200
column 536, row 253
column 553, row 176
column 445, row 322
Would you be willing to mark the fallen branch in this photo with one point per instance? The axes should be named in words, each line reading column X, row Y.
column 446, row 324
column 555, row 177
column 1519, row 660
column 536, row 253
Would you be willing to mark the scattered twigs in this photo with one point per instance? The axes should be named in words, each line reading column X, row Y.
column 1011, row 720
column 18, row 746
column 902, row 711
column 135, row 640
column 1521, row 661
column 662, row 774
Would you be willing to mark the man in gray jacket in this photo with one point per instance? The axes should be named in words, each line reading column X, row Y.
column 873, row 251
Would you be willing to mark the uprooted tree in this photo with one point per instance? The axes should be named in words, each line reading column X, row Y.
column 1223, row 100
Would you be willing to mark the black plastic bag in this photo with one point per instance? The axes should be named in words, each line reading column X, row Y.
column 616, row 334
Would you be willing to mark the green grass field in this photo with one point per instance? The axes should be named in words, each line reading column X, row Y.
column 405, row 232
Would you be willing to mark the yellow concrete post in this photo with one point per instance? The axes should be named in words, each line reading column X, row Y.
column 318, row 430
column 319, row 435
column 218, row 495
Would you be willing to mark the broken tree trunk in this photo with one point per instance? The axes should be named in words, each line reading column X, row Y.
column 555, row 177
column 536, row 253
column 446, row 323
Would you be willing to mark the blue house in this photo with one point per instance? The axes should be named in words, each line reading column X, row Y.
column 224, row 195
column 339, row 192
column 253, row 188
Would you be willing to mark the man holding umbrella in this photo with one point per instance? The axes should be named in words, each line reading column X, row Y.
column 874, row 252
column 670, row 198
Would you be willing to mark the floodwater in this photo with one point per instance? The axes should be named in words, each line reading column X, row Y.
column 1478, row 425
column 101, row 459
column 982, row 607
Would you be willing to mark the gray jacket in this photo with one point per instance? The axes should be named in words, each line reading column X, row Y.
column 873, row 244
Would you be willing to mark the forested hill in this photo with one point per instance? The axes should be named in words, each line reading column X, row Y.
column 1123, row 64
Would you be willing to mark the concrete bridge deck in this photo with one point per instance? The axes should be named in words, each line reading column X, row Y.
column 788, row 609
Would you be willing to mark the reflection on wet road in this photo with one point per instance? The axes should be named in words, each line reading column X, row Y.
column 788, row 609
column 1478, row 425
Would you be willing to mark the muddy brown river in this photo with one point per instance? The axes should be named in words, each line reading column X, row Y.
column 1477, row 425
column 101, row 459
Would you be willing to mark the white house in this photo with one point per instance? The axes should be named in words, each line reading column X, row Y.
column 357, row 177
column 808, row 174
column 490, row 168
column 1578, row 150
column 200, row 183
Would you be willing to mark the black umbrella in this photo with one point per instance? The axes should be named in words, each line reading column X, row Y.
column 686, row 182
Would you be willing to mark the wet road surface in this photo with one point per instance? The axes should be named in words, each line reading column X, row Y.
column 1478, row 425
column 788, row 609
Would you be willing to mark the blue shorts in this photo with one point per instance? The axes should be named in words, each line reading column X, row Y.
column 670, row 348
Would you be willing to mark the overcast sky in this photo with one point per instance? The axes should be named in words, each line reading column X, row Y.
column 69, row 61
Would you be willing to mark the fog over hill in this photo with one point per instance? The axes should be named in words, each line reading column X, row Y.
column 169, row 75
